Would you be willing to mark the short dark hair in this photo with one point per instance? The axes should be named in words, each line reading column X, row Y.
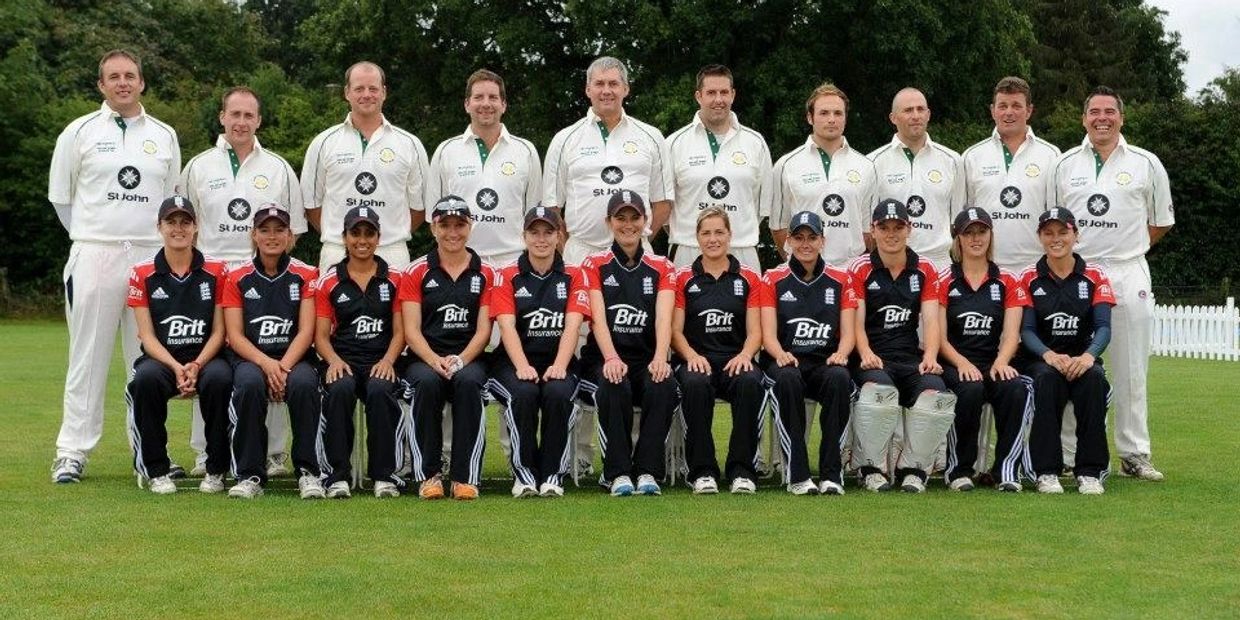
column 1103, row 91
column 485, row 75
column 826, row 89
column 241, row 90
column 1012, row 85
column 715, row 71
column 364, row 63
column 122, row 54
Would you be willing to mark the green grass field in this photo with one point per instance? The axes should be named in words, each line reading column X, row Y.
column 103, row 548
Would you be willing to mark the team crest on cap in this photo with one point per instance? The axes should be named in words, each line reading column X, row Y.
column 487, row 199
column 508, row 169
column 129, row 177
column 1010, row 196
column 916, row 206
column 238, row 209
column 973, row 214
column 833, row 205
column 1123, row 178
column 935, row 176
column 149, row 147
column 804, row 219
column 387, row 155
column 612, row 175
column 854, row 177
column 1032, row 171
column 365, row 183
column 1098, row 204
column 363, row 211
column 630, row 147
column 261, row 182
column 739, row 158
column 718, row 187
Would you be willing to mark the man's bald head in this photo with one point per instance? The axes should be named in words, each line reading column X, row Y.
column 910, row 114
column 905, row 96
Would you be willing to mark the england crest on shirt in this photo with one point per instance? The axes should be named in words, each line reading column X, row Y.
column 914, row 284
column 994, row 292
column 204, row 289
column 384, row 294
column 738, row 287
column 294, row 292
column 1082, row 290
column 828, row 297
column 475, row 284
column 647, row 285
column 561, row 291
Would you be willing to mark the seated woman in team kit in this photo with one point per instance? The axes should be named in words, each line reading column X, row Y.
column 632, row 294
column 359, row 336
column 175, row 297
column 1063, row 335
column 539, row 303
column 269, row 316
column 716, row 331
column 896, row 289
column 980, row 309
column 808, row 328
column 445, row 297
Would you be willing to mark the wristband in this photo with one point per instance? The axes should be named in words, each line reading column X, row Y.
column 611, row 358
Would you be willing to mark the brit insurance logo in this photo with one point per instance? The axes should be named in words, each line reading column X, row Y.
column 239, row 209
column 487, row 199
column 612, row 175
column 916, row 205
column 833, row 205
column 365, row 183
column 129, row 177
column 718, row 188
column 1010, row 196
column 1098, row 204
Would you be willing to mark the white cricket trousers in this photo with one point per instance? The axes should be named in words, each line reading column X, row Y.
column 96, row 280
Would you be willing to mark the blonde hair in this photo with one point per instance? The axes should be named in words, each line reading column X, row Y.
column 710, row 212
column 957, row 253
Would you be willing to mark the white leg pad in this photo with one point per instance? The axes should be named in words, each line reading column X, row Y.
column 925, row 426
column 875, row 417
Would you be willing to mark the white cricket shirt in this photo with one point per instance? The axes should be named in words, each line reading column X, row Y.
column 730, row 171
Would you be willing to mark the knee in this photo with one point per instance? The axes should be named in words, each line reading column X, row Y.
column 969, row 391
column 788, row 377
column 377, row 388
column 558, row 390
column 692, row 381
column 837, row 378
column 471, row 377
column 749, row 383
column 342, row 387
column 523, row 394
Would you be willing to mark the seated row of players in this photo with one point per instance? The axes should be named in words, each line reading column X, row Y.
column 820, row 331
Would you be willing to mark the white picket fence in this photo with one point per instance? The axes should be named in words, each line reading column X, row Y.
column 1202, row 332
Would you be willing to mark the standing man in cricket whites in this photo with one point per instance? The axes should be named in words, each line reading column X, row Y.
column 1009, row 175
column 365, row 162
column 717, row 162
column 827, row 177
column 1121, row 198
column 923, row 174
column 591, row 160
column 227, row 184
column 110, row 171
column 498, row 173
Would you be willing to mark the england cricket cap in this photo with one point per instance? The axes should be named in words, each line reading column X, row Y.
column 270, row 210
column 176, row 204
column 357, row 215
column 805, row 219
column 890, row 209
column 450, row 205
column 972, row 215
column 1057, row 214
column 543, row 214
column 625, row 198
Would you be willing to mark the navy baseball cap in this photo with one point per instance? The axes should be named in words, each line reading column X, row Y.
column 176, row 204
column 450, row 205
column 270, row 210
column 543, row 214
column 972, row 215
column 805, row 219
column 357, row 215
column 1057, row 214
column 625, row 198
column 890, row 209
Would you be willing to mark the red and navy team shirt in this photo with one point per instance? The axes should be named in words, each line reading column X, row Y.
column 539, row 302
column 270, row 304
column 975, row 315
column 361, row 320
column 715, row 309
column 808, row 307
column 629, row 295
column 182, row 306
column 893, row 303
column 450, row 308
column 1064, row 308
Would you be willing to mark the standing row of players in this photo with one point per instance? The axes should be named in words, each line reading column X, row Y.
column 118, row 161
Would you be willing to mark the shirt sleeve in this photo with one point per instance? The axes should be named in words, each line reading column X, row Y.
column 533, row 185
column 396, row 277
column 1161, row 211
column 555, row 185
column 1103, row 293
column 662, row 181
column 667, row 275
column 944, row 285
column 754, row 299
column 502, row 299
column 764, row 182
column 62, row 177
column 777, row 193
column 434, row 177
column 681, row 278
column 578, row 298
column 313, row 176
column 419, row 172
column 293, row 198
column 230, row 294
column 1017, row 296
column 589, row 275
column 488, row 275
column 411, row 284
column 857, row 274
column 137, row 290
column 959, row 194
column 766, row 292
column 172, row 174
column 930, row 292
column 323, row 302
column 850, row 294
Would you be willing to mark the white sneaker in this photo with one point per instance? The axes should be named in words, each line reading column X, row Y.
column 830, row 487
column 200, row 466
column 1009, row 487
column 176, row 472
column 339, row 490
column 622, row 486
column 1049, row 483
column 384, row 488
column 876, row 482
column 249, row 488
column 277, row 465
column 804, row 487
column 743, row 486
column 66, row 471
column 212, row 483
column 1139, row 467
column 646, row 485
column 912, row 484
column 963, row 483
column 1089, row 485
column 520, row 489
column 162, row 485
column 705, row 486
column 551, row 490
column 311, row 487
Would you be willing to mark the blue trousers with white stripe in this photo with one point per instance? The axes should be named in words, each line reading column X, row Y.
column 615, row 402
column 534, row 463
column 832, row 387
column 1009, row 399
column 745, row 393
column 248, row 415
column 1051, row 393
column 383, row 450
column 148, row 392
column 430, row 392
